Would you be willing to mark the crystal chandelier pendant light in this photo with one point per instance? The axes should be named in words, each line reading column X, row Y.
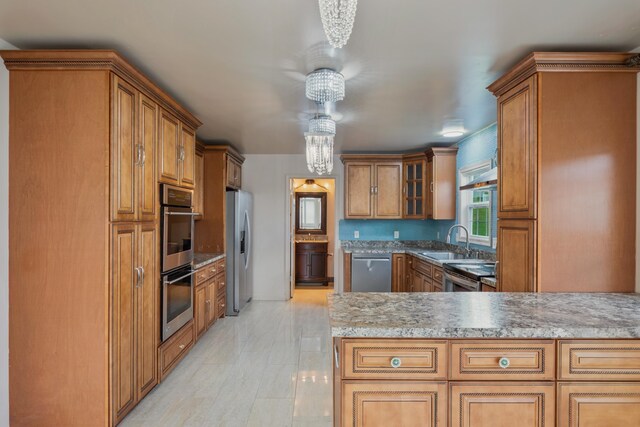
column 319, row 152
column 337, row 20
column 324, row 85
column 322, row 123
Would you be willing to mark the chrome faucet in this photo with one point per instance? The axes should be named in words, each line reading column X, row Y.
column 466, row 230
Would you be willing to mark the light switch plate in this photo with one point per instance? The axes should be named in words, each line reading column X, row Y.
column 494, row 242
column 396, row 234
column 356, row 234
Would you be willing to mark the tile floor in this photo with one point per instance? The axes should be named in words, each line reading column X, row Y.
column 271, row 366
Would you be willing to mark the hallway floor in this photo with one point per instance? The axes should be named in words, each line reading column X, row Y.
column 271, row 366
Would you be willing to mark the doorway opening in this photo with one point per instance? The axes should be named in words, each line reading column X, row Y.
column 312, row 233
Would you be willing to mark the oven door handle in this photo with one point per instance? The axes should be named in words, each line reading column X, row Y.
column 182, row 277
column 468, row 284
column 182, row 213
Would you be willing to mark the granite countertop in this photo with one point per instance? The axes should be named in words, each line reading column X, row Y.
column 201, row 259
column 491, row 281
column 485, row 315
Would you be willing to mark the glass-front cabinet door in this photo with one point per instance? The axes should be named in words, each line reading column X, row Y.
column 414, row 188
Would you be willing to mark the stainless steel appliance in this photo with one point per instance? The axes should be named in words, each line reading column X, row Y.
column 177, row 227
column 239, row 247
column 466, row 277
column 177, row 300
column 371, row 273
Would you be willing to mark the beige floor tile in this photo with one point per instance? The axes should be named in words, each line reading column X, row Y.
column 271, row 413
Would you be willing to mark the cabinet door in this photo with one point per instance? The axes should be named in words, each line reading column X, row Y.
column 443, row 185
column 123, row 290
column 430, row 187
column 318, row 266
column 211, row 301
column 414, row 189
column 416, row 282
column 187, row 165
column 502, row 404
column 233, row 174
column 398, row 276
column 201, row 310
column 148, row 313
column 516, row 269
column 198, row 194
column 124, row 153
column 388, row 190
column 302, row 266
column 148, row 140
column 517, row 151
column 394, row 403
column 169, row 148
column 598, row 404
column 358, row 190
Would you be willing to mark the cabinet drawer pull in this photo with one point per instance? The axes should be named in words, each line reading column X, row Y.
column 396, row 362
column 181, row 346
column 504, row 362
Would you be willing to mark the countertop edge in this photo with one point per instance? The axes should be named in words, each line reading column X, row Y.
column 207, row 261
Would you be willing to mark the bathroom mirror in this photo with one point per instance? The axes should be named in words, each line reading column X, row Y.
column 311, row 215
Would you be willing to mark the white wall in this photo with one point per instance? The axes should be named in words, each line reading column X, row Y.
column 4, row 241
column 266, row 176
column 638, row 184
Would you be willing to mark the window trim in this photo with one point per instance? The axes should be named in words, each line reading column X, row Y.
column 464, row 207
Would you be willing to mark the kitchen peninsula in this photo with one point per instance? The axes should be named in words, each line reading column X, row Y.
column 486, row 359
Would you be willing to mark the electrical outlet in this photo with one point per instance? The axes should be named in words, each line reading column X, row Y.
column 494, row 242
column 396, row 234
column 437, row 235
column 356, row 234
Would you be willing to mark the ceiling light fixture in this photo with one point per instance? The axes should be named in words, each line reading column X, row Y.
column 322, row 123
column 319, row 152
column 453, row 129
column 324, row 85
column 337, row 20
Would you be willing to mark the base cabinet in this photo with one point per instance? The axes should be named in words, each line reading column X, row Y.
column 485, row 383
column 392, row 403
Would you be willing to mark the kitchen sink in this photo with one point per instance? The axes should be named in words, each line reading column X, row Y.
column 444, row 256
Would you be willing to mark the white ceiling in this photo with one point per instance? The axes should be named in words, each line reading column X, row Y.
column 239, row 65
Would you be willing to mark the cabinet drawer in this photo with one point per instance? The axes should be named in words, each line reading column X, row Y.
column 174, row 349
column 394, row 403
column 220, row 266
column 221, row 306
column 221, row 285
column 202, row 275
column 423, row 267
column 503, row 360
column 394, row 359
column 597, row 360
column 502, row 404
column 437, row 275
column 598, row 404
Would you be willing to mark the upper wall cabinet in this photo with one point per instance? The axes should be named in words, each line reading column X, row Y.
column 373, row 186
column 414, row 186
column 177, row 143
column 198, row 194
column 234, row 172
column 441, row 183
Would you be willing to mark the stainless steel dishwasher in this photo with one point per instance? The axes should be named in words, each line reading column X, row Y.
column 371, row 273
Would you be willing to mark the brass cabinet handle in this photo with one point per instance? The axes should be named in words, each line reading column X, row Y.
column 181, row 346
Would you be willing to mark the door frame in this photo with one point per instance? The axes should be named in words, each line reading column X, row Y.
column 289, row 266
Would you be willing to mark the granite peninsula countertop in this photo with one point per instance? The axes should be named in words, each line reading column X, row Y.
column 484, row 315
column 201, row 259
column 491, row 281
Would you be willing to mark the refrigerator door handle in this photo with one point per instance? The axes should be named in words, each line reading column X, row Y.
column 247, row 249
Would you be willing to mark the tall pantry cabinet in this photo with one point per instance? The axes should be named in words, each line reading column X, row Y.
column 84, row 131
column 567, row 173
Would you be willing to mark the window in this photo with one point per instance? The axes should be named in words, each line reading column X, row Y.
column 475, row 206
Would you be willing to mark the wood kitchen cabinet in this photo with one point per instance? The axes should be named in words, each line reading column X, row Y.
column 398, row 269
column 176, row 146
column 373, row 186
column 198, row 193
column 234, row 173
column 135, row 312
column 133, row 146
column 311, row 262
column 559, row 115
column 210, row 288
column 94, row 120
column 441, row 183
column 414, row 189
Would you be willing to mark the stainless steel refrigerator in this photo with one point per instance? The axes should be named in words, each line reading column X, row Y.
column 239, row 247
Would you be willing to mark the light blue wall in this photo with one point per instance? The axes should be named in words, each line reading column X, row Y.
column 474, row 149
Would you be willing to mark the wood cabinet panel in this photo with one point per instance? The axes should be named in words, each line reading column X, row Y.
column 200, row 311
column 220, row 306
column 414, row 188
column 441, row 181
column 598, row 360
column 169, row 149
column 148, row 312
column 359, row 182
column 487, row 288
column 175, row 348
column 392, row 403
column 495, row 404
column 517, row 151
column 123, row 291
column 233, row 173
column 198, row 194
column 516, row 269
column 503, row 360
column 388, row 190
column 598, row 404
column 124, row 150
column 188, row 156
column 212, row 301
column 394, row 359
column 148, row 141
column 398, row 275
column 311, row 262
